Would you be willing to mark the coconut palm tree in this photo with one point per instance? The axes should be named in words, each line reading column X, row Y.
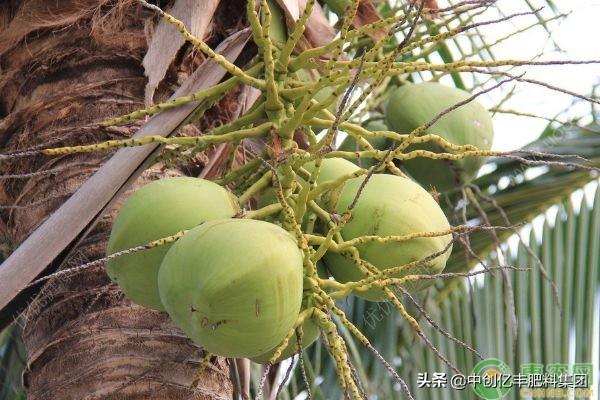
column 68, row 67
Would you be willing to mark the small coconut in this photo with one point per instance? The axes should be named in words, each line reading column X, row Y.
column 411, row 106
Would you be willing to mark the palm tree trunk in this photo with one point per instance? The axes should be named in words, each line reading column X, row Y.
column 64, row 66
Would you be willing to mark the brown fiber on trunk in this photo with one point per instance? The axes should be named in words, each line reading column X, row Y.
column 65, row 66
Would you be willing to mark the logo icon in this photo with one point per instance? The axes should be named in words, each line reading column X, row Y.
column 494, row 380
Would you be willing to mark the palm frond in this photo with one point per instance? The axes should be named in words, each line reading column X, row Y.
column 525, row 191
column 569, row 248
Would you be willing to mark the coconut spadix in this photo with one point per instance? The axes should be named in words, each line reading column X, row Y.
column 331, row 169
column 378, row 143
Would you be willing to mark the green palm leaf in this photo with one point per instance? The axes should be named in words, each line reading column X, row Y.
column 570, row 249
column 523, row 198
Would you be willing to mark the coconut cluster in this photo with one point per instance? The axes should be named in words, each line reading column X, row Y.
column 234, row 285
column 238, row 286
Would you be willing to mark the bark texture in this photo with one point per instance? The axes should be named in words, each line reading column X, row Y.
column 65, row 66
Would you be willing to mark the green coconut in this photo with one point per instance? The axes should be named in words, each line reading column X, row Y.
column 389, row 205
column 378, row 143
column 156, row 210
column 413, row 105
column 234, row 286
column 331, row 168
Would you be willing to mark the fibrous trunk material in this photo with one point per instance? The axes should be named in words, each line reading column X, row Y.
column 65, row 66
